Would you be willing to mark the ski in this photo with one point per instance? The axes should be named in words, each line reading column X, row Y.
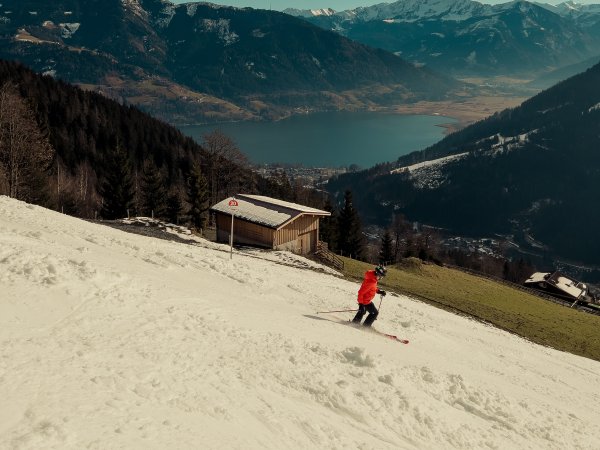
column 381, row 333
column 336, row 319
column 392, row 337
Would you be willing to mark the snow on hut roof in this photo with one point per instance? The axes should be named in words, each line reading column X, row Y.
column 568, row 285
column 267, row 211
column 560, row 281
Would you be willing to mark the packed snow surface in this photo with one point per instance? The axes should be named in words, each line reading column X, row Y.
column 116, row 340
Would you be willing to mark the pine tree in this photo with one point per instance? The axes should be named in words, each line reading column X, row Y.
column 350, row 238
column 174, row 207
column 285, row 190
column 198, row 197
column 117, row 188
column 401, row 234
column 386, row 252
column 153, row 190
column 327, row 228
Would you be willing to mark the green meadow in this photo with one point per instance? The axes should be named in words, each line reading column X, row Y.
column 534, row 318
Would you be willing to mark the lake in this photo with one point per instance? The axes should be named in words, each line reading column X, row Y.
column 332, row 139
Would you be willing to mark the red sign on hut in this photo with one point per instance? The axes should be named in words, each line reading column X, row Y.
column 233, row 203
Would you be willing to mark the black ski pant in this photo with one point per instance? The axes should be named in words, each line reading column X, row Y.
column 362, row 309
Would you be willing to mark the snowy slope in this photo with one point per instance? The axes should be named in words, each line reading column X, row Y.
column 114, row 340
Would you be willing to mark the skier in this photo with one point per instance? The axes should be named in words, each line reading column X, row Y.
column 366, row 293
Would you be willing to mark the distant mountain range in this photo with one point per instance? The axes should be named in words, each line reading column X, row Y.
column 198, row 61
column 532, row 172
column 468, row 38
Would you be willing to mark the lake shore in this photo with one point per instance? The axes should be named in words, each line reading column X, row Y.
column 465, row 112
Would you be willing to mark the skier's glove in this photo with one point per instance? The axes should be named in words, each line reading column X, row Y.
column 380, row 292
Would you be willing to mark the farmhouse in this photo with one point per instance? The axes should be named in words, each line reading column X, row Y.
column 268, row 222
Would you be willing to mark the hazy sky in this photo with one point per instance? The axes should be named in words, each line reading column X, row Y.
column 338, row 5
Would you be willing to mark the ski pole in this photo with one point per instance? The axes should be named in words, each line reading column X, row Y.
column 380, row 302
column 341, row 310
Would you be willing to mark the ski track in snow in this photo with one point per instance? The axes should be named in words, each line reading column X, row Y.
column 115, row 340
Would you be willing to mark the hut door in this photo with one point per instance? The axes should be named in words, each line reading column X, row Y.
column 306, row 243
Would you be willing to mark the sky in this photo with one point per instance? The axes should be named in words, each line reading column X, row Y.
column 116, row 340
column 338, row 5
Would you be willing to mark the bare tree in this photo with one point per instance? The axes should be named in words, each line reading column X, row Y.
column 225, row 161
column 24, row 150
column 429, row 243
column 401, row 231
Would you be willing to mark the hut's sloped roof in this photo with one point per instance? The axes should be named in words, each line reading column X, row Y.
column 267, row 211
column 560, row 281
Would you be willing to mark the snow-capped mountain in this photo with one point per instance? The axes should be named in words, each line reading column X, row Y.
column 415, row 10
column 454, row 10
column 116, row 340
column 587, row 16
column 471, row 38
column 575, row 9
column 310, row 12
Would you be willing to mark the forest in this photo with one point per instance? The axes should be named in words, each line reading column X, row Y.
column 78, row 152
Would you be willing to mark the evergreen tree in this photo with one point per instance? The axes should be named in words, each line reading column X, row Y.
column 198, row 197
column 327, row 229
column 386, row 252
column 401, row 234
column 350, row 238
column 506, row 271
column 174, row 207
column 153, row 190
column 117, row 188
column 284, row 187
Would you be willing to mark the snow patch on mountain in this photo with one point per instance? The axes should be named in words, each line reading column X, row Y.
column 221, row 28
column 250, row 67
column 545, row 111
column 429, row 174
column 322, row 12
column 192, row 8
column 67, row 30
column 575, row 9
column 166, row 15
column 135, row 7
column 309, row 12
column 502, row 144
column 596, row 107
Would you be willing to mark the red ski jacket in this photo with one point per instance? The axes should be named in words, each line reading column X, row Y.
column 368, row 289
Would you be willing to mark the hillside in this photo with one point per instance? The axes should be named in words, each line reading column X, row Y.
column 117, row 340
column 85, row 129
column 198, row 61
column 530, row 172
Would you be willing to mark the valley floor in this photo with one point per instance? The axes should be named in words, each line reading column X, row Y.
column 466, row 112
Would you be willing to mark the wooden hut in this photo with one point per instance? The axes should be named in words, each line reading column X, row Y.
column 558, row 285
column 268, row 222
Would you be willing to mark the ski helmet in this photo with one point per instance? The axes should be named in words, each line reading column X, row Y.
column 380, row 271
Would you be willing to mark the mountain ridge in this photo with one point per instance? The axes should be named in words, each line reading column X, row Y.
column 254, row 61
column 467, row 37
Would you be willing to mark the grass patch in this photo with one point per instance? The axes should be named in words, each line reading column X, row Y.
column 518, row 312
